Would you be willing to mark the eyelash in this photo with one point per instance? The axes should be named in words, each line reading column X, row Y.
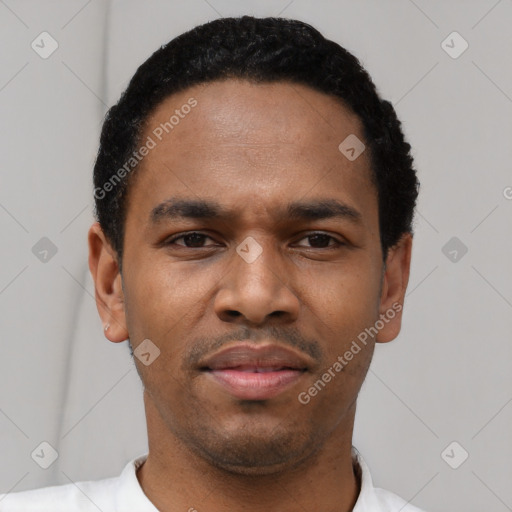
column 170, row 241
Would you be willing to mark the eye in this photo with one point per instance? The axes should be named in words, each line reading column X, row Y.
column 191, row 240
column 322, row 240
column 196, row 240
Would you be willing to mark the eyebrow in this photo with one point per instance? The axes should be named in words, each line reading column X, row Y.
column 178, row 208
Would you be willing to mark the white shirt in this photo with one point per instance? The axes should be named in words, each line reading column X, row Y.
column 124, row 494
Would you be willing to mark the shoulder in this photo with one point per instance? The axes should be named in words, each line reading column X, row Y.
column 376, row 499
column 391, row 502
column 116, row 494
column 81, row 496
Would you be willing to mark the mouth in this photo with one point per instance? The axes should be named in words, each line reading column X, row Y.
column 252, row 372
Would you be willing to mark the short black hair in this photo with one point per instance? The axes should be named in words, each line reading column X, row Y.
column 261, row 50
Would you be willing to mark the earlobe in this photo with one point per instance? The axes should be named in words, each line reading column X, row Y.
column 104, row 269
column 394, row 286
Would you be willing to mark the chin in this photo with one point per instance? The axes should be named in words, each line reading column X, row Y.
column 255, row 452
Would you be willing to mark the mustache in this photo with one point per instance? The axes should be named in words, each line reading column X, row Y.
column 203, row 346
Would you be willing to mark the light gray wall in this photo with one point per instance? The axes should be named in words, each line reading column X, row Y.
column 446, row 378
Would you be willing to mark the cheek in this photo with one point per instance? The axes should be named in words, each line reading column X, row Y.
column 163, row 292
column 345, row 299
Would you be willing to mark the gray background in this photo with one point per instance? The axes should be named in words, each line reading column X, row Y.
column 446, row 378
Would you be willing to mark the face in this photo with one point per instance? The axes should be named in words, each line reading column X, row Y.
column 247, row 228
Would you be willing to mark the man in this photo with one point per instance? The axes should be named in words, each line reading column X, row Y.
column 254, row 198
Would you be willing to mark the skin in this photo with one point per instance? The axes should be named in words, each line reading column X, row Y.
column 252, row 148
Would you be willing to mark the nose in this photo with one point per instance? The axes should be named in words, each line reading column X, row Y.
column 254, row 292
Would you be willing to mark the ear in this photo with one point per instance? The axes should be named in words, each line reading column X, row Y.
column 109, row 295
column 394, row 286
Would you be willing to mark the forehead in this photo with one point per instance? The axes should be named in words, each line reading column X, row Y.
column 249, row 144
column 239, row 111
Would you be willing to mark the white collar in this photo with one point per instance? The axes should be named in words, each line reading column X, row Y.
column 130, row 496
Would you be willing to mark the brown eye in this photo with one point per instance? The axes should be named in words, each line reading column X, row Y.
column 191, row 240
column 321, row 241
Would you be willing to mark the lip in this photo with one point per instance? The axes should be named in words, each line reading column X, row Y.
column 256, row 372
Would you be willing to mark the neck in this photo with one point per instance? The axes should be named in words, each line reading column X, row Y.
column 174, row 478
